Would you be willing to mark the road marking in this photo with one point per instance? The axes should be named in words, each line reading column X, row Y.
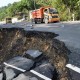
column 40, row 75
column 73, row 67
column 22, row 70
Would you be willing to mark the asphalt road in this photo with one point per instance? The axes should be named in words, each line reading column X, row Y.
column 69, row 33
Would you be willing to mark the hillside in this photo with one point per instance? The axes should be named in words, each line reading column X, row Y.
column 65, row 9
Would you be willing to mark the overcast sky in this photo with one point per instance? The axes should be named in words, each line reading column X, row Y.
column 6, row 2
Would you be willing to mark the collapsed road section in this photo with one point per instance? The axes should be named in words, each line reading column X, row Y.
column 14, row 42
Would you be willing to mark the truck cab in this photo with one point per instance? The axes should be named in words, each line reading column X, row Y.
column 51, row 15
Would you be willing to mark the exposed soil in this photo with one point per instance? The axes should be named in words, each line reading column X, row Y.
column 16, row 41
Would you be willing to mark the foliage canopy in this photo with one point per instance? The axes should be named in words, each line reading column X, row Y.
column 65, row 8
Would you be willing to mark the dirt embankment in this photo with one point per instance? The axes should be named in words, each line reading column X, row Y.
column 15, row 42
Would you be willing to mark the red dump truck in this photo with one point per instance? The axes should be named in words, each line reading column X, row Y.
column 44, row 14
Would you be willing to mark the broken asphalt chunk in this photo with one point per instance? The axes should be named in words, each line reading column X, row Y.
column 33, row 54
column 20, row 63
column 1, row 76
column 10, row 74
column 45, row 69
column 24, row 77
column 21, row 77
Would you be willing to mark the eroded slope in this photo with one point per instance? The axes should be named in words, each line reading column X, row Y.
column 16, row 41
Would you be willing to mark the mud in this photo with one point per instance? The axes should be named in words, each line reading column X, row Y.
column 16, row 41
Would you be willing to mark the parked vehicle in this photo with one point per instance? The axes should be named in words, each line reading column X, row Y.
column 8, row 20
column 44, row 14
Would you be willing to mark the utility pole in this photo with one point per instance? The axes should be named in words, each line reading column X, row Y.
column 79, row 9
column 34, row 4
column 69, row 14
column 73, row 16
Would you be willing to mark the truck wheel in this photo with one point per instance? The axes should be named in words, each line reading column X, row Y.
column 42, row 21
column 46, row 21
column 35, row 22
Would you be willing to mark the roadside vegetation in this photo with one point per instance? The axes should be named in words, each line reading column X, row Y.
column 66, row 9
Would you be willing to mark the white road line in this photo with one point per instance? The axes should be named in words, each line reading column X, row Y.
column 40, row 75
column 73, row 67
column 22, row 70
